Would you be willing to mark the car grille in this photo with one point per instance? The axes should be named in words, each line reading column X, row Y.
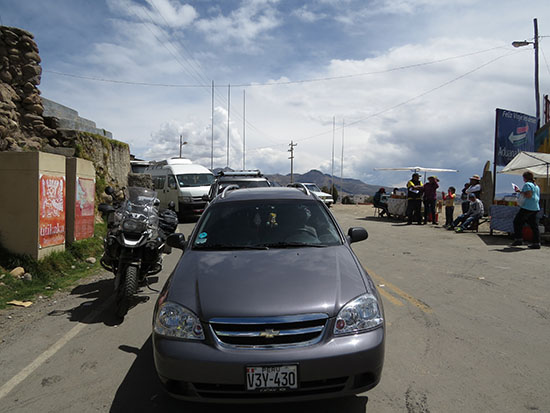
column 269, row 332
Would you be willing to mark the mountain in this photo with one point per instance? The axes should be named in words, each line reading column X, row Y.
column 347, row 186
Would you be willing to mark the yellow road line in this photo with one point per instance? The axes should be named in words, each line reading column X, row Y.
column 389, row 297
column 417, row 303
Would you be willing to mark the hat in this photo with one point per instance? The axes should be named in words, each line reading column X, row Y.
column 472, row 196
column 416, row 174
column 476, row 177
column 434, row 177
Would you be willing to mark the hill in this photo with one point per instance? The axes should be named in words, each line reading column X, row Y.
column 347, row 186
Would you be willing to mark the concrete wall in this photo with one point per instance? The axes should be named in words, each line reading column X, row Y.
column 76, row 168
column 67, row 118
column 19, row 209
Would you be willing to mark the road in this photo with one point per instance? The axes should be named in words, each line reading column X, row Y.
column 467, row 331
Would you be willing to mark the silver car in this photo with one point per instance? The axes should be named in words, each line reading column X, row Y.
column 268, row 303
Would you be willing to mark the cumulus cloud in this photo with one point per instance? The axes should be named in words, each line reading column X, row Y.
column 242, row 28
column 169, row 13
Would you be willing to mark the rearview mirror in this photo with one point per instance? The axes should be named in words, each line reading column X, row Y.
column 176, row 240
column 356, row 234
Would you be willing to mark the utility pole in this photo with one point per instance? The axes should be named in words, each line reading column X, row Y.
column 291, row 150
column 332, row 165
column 535, row 44
column 244, row 130
column 228, row 112
column 342, row 164
column 537, row 94
column 212, row 148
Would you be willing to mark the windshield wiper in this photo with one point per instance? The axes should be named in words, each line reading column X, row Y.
column 294, row 244
column 229, row 247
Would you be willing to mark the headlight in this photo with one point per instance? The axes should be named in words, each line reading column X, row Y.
column 359, row 315
column 173, row 320
column 131, row 225
column 186, row 199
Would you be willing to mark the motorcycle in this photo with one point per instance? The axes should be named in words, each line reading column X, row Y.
column 135, row 241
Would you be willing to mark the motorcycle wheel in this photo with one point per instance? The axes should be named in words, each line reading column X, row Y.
column 127, row 290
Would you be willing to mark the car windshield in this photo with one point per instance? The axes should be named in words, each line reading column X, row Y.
column 313, row 188
column 266, row 224
column 187, row 180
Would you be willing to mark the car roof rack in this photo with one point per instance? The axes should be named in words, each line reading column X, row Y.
column 252, row 172
column 302, row 187
column 228, row 188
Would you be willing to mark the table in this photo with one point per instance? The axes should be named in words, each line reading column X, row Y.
column 502, row 217
column 397, row 206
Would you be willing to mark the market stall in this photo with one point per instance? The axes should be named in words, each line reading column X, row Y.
column 503, row 213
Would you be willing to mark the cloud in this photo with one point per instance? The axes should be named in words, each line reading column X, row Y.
column 169, row 13
column 242, row 28
column 305, row 14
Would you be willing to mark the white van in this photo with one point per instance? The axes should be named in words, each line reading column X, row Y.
column 183, row 182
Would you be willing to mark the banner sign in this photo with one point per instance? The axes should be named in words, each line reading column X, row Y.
column 84, row 208
column 52, row 211
column 542, row 139
column 515, row 132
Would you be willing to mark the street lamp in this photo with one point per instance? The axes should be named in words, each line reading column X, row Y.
column 182, row 142
column 535, row 44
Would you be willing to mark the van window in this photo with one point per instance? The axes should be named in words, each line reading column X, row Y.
column 172, row 182
column 159, row 182
column 186, row 180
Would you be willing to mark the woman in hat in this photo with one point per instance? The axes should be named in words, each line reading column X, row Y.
column 430, row 198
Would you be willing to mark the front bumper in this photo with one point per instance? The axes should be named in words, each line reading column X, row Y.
column 205, row 371
column 192, row 208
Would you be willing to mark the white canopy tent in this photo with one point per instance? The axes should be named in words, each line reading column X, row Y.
column 416, row 169
column 535, row 162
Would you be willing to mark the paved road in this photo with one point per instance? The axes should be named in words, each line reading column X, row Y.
column 468, row 330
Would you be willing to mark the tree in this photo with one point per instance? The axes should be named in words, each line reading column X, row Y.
column 334, row 193
column 325, row 189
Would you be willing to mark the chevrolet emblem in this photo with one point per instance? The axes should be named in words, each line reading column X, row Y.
column 269, row 333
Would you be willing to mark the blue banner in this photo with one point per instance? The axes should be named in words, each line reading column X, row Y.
column 515, row 133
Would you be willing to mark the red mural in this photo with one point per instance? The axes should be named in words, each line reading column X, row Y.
column 84, row 208
column 52, row 211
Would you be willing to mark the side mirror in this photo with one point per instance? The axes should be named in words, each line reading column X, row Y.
column 356, row 234
column 156, row 202
column 176, row 241
column 205, row 198
column 109, row 190
column 105, row 208
column 172, row 205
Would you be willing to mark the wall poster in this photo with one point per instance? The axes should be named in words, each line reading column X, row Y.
column 52, row 211
column 84, row 208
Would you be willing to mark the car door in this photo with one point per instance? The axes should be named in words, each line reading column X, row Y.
column 171, row 191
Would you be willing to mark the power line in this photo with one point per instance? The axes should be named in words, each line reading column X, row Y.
column 402, row 103
column 274, row 83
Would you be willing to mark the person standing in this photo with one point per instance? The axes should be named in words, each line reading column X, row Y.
column 430, row 198
column 449, row 200
column 414, row 200
column 529, row 207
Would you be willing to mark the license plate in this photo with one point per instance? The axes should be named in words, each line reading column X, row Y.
column 271, row 378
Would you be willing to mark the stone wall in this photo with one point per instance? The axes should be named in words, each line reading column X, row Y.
column 25, row 126
column 21, row 123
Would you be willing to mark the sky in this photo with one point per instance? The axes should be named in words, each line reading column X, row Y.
column 356, row 84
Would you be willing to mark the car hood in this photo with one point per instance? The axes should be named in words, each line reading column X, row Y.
column 260, row 283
